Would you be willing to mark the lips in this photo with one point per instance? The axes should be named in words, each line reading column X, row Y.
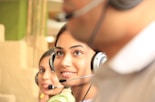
column 67, row 74
column 45, row 85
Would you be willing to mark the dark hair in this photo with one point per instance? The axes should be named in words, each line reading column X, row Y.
column 63, row 29
column 47, row 53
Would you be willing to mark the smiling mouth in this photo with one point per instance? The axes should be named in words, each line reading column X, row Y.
column 67, row 74
column 45, row 86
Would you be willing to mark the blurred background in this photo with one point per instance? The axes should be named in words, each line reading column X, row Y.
column 27, row 29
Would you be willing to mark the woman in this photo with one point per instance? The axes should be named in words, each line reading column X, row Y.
column 50, row 88
column 73, row 60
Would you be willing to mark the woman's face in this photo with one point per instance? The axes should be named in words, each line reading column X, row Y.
column 47, row 77
column 73, row 59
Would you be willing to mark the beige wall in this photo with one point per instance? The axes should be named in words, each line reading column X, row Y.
column 17, row 70
column 1, row 32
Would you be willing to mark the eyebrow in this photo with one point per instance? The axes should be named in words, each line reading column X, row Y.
column 75, row 46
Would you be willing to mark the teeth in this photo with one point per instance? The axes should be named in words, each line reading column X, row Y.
column 67, row 73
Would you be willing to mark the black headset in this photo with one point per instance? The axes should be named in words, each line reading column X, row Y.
column 51, row 60
column 117, row 4
column 98, row 59
column 124, row 4
column 36, row 78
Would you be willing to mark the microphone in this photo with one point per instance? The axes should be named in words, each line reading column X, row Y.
column 66, row 80
column 50, row 87
column 64, row 16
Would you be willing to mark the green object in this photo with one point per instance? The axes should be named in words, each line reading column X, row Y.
column 13, row 15
column 64, row 96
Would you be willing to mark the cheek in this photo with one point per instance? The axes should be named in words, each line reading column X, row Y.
column 114, row 23
column 39, row 85
column 57, row 67
column 55, row 80
column 83, row 66
column 39, row 79
column 56, row 64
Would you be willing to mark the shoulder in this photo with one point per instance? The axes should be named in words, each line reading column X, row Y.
column 64, row 96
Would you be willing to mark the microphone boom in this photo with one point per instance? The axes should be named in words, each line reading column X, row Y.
column 53, row 87
column 66, row 80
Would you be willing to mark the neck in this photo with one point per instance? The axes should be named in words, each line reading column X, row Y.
column 83, row 92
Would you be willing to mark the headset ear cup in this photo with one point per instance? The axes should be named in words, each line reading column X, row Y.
column 36, row 78
column 124, row 4
column 98, row 59
column 51, row 61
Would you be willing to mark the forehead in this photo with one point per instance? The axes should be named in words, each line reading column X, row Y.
column 44, row 60
column 66, row 40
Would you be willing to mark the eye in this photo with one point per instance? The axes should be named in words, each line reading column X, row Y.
column 41, row 70
column 77, row 53
column 59, row 53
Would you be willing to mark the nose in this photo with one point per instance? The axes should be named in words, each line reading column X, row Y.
column 66, row 61
column 46, row 75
